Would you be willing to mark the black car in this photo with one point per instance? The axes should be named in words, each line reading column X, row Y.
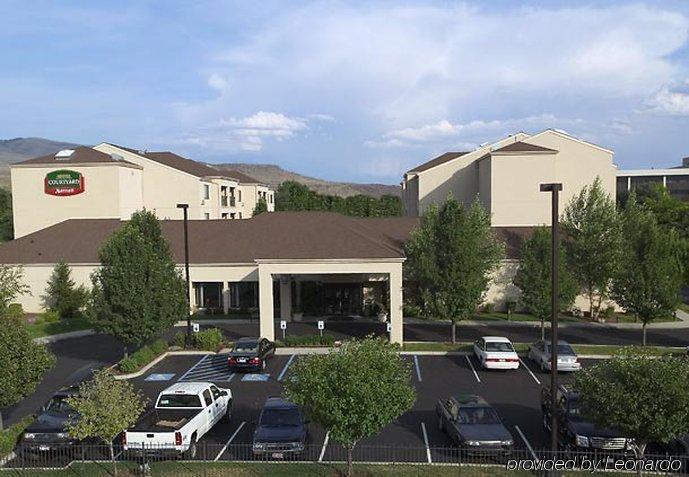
column 474, row 425
column 250, row 354
column 282, row 431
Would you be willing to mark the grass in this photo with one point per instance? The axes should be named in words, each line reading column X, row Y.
column 9, row 436
column 684, row 307
column 465, row 347
column 42, row 328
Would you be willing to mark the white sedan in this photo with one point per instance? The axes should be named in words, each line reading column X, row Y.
column 496, row 352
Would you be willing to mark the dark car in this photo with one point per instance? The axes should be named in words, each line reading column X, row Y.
column 574, row 431
column 250, row 354
column 473, row 425
column 281, row 432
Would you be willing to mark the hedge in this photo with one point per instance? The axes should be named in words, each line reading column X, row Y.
column 142, row 357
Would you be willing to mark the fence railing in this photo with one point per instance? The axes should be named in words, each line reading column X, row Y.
column 211, row 459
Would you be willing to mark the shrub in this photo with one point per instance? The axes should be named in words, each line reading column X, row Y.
column 178, row 339
column 608, row 313
column 63, row 295
column 142, row 357
column 488, row 307
column 127, row 365
column 10, row 435
column 159, row 347
column 208, row 340
column 412, row 311
column 50, row 316
column 309, row 340
column 15, row 310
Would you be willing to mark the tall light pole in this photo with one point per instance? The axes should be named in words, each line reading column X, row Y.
column 185, row 209
column 554, row 189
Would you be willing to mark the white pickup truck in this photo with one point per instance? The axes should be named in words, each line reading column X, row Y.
column 183, row 413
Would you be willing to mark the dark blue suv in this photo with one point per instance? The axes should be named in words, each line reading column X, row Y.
column 281, row 432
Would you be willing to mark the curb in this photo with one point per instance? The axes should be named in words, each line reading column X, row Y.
column 157, row 360
column 63, row 336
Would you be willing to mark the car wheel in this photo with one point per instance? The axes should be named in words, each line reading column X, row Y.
column 190, row 453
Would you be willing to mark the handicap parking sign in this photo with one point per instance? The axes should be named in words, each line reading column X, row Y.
column 255, row 377
column 159, row 377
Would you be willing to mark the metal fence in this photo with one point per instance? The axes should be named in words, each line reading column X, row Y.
column 210, row 460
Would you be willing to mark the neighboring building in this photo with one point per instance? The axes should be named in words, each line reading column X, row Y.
column 675, row 180
column 110, row 181
column 505, row 176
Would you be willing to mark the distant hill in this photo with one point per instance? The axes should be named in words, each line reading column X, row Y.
column 21, row 148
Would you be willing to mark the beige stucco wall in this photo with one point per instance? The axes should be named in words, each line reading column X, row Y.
column 485, row 181
column 410, row 195
column 104, row 186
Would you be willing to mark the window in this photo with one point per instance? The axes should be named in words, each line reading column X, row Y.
column 216, row 392
column 206, row 191
column 224, row 215
column 239, row 195
column 271, row 198
column 207, row 397
column 179, row 400
column 207, row 216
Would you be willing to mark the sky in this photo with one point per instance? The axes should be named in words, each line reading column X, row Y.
column 352, row 91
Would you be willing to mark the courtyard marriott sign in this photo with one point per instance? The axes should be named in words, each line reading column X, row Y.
column 64, row 182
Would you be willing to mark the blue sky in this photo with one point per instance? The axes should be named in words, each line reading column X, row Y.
column 357, row 91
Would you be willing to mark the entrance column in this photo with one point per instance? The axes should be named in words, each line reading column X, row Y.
column 396, row 318
column 285, row 298
column 225, row 297
column 265, row 304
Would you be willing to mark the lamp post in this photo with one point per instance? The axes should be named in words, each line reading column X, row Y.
column 185, row 210
column 554, row 189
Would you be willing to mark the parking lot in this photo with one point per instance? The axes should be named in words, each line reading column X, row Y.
column 414, row 437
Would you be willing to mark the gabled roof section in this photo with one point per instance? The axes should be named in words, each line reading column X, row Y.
column 79, row 155
column 566, row 135
column 183, row 164
column 241, row 177
column 442, row 159
column 523, row 147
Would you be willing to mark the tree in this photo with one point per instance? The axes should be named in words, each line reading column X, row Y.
column 292, row 195
column 644, row 397
column 62, row 294
column 451, row 257
column 651, row 273
column 11, row 286
column 6, row 224
column 354, row 392
column 592, row 226
column 534, row 280
column 22, row 362
column 137, row 292
column 261, row 206
column 106, row 407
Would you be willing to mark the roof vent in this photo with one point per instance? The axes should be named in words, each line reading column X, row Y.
column 142, row 152
column 64, row 154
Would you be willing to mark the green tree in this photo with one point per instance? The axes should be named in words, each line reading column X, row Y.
column 106, row 407
column 534, row 279
column 137, row 292
column 292, row 195
column 645, row 397
column 451, row 257
column 63, row 295
column 354, row 392
column 261, row 206
column 11, row 286
column 6, row 224
column 651, row 273
column 592, row 226
column 22, row 362
column 389, row 206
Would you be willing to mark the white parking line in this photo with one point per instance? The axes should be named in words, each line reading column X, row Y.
column 325, row 445
column 418, row 370
column 284, row 370
column 194, row 367
column 528, row 446
column 530, row 372
column 425, row 439
column 472, row 368
column 230, row 441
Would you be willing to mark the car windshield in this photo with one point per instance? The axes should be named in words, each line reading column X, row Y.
column 248, row 347
column 280, row 418
column 179, row 400
column 562, row 349
column 478, row 415
column 499, row 346
column 59, row 405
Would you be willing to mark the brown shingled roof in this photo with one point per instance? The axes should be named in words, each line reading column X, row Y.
column 521, row 146
column 183, row 164
column 240, row 176
column 81, row 155
column 442, row 159
column 274, row 235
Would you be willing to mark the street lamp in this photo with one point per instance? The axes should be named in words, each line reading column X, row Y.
column 554, row 189
column 185, row 209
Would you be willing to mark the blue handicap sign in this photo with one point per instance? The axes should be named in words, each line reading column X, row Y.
column 159, row 377
column 255, row 377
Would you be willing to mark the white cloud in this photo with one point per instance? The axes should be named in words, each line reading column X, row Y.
column 219, row 83
column 670, row 101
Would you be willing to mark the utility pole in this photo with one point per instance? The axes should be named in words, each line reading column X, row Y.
column 554, row 189
column 185, row 209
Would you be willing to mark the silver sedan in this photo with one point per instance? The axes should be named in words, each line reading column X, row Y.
column 566, row 357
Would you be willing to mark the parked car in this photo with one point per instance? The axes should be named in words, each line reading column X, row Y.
column 496, row 352
column 250, row 354
column 567, row 359
column 473, row 425
column 281, row 431
column 183, row 414
column 574, row 431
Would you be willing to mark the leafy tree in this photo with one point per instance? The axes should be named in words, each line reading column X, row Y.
column 6, row 223
column 651, row 273
column 137, row 291
column 22, row 362
column 11, row 286
column 261, row 206
column 389, row 206
column 353, row 393
column 63, row 295
column 645, row 397
column 292, row 195
column 534, row 279
column 451, row 257
column 592, row 226
column 106, row 407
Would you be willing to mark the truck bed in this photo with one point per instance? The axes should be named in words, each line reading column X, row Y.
column 164, row 420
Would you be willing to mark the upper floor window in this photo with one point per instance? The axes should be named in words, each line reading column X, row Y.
column 206, row 191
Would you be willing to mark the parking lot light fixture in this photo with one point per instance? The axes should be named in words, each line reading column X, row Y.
column 554, row 189
column 185, row 210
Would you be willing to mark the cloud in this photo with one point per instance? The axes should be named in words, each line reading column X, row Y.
column 670, row 100
column 219, row 83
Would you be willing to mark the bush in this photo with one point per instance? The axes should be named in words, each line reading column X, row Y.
column 488, row 307
column 10, row 435
column 178, row 339
column 159, row 347
column 14, row 311
column 309, row 340
column 49, row 316
column 142, row 357
column 208, row 340
column 63, row 295
column 608, row 313
column 412, row 311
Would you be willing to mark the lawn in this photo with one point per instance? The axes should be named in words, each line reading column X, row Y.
column 46, row 328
